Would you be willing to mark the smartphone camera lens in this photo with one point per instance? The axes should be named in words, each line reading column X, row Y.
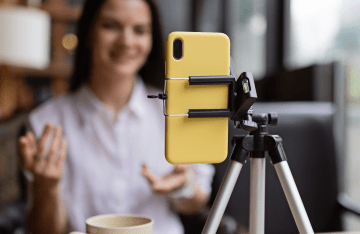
column 177, row 48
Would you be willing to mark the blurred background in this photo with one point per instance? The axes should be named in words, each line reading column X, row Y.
column 298, row 50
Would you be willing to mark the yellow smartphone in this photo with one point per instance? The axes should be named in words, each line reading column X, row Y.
column 195, row 140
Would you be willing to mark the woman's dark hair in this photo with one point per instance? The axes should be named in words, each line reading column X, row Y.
column 152, row 72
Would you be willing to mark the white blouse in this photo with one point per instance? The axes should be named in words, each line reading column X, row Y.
column 102, row 172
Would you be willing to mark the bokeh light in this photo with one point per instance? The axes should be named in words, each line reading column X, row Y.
column 70, row 41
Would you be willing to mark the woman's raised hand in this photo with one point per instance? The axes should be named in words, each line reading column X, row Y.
column 166, row 183
column 45, row 163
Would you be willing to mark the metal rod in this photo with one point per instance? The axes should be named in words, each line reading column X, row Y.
column 293, row 197
column 257, row 195
column 223, row 197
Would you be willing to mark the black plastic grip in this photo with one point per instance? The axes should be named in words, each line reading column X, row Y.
column 215, row 80
column 277, row 155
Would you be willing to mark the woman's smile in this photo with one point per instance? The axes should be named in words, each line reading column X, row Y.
column 123, row 57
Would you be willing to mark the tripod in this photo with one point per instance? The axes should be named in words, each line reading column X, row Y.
column 256, row 144
column 242, row 95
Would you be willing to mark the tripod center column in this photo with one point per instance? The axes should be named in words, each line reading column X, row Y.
column 257, row 195
column 257, row 182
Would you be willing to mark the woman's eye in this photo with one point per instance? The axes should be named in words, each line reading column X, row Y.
column 109, row 25
column 141, row 31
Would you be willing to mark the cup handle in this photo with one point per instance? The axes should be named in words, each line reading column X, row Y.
column 77, row 233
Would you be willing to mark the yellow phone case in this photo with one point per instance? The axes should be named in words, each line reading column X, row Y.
column 196, row 140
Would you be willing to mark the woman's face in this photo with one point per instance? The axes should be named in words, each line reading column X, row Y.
column 121, row 38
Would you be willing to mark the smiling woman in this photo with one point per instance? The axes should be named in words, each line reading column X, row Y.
column 112, row 160
column 121, row 40
column 120, row 43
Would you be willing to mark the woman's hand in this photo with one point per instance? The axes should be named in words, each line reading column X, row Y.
column 169, row 182
column 47, row 167
column 195, row 199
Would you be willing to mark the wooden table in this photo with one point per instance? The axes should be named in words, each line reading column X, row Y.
column 353, row 232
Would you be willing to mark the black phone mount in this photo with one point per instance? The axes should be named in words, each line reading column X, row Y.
column 242, row 95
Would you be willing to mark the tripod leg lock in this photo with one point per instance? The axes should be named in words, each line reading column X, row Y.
column 277, row 155
column 239, row 154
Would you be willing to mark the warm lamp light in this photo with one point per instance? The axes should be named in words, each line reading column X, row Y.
column 24, row 37
column 24, row 42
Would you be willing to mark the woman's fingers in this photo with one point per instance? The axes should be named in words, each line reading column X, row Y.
column 55, row 146
column 166, row 183
column 180, row 169
column 149, row 175
column 41, row 145
column 26, row 152
column 32, row 139
column 41, row 159
column 54, row 163
column 23, row 145
column 62, row 153
column 173, row 182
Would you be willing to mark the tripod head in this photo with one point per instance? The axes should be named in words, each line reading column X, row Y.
column 257, row 120
column 244, row 117
column 265, row 119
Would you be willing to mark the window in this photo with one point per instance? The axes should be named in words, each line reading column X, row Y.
column 321, row 32
column 247, row 32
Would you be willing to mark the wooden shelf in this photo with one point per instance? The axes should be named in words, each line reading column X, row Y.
column 55, row 70
column 63, row 13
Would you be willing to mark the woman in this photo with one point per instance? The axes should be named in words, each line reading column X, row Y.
column 112, row 160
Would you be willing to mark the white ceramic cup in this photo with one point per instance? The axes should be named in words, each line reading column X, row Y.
column 118, row 224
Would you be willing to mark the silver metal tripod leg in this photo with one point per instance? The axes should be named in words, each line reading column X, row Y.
column 257, row 195
column 293, row 197
column 222, row 198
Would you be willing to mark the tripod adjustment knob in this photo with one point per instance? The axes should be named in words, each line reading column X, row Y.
column 273, row 118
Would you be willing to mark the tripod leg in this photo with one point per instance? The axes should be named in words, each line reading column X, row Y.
column 291, row 192
column 257, row 195
column 238, row 159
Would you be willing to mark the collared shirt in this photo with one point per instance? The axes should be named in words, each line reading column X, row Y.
column 102, row 172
